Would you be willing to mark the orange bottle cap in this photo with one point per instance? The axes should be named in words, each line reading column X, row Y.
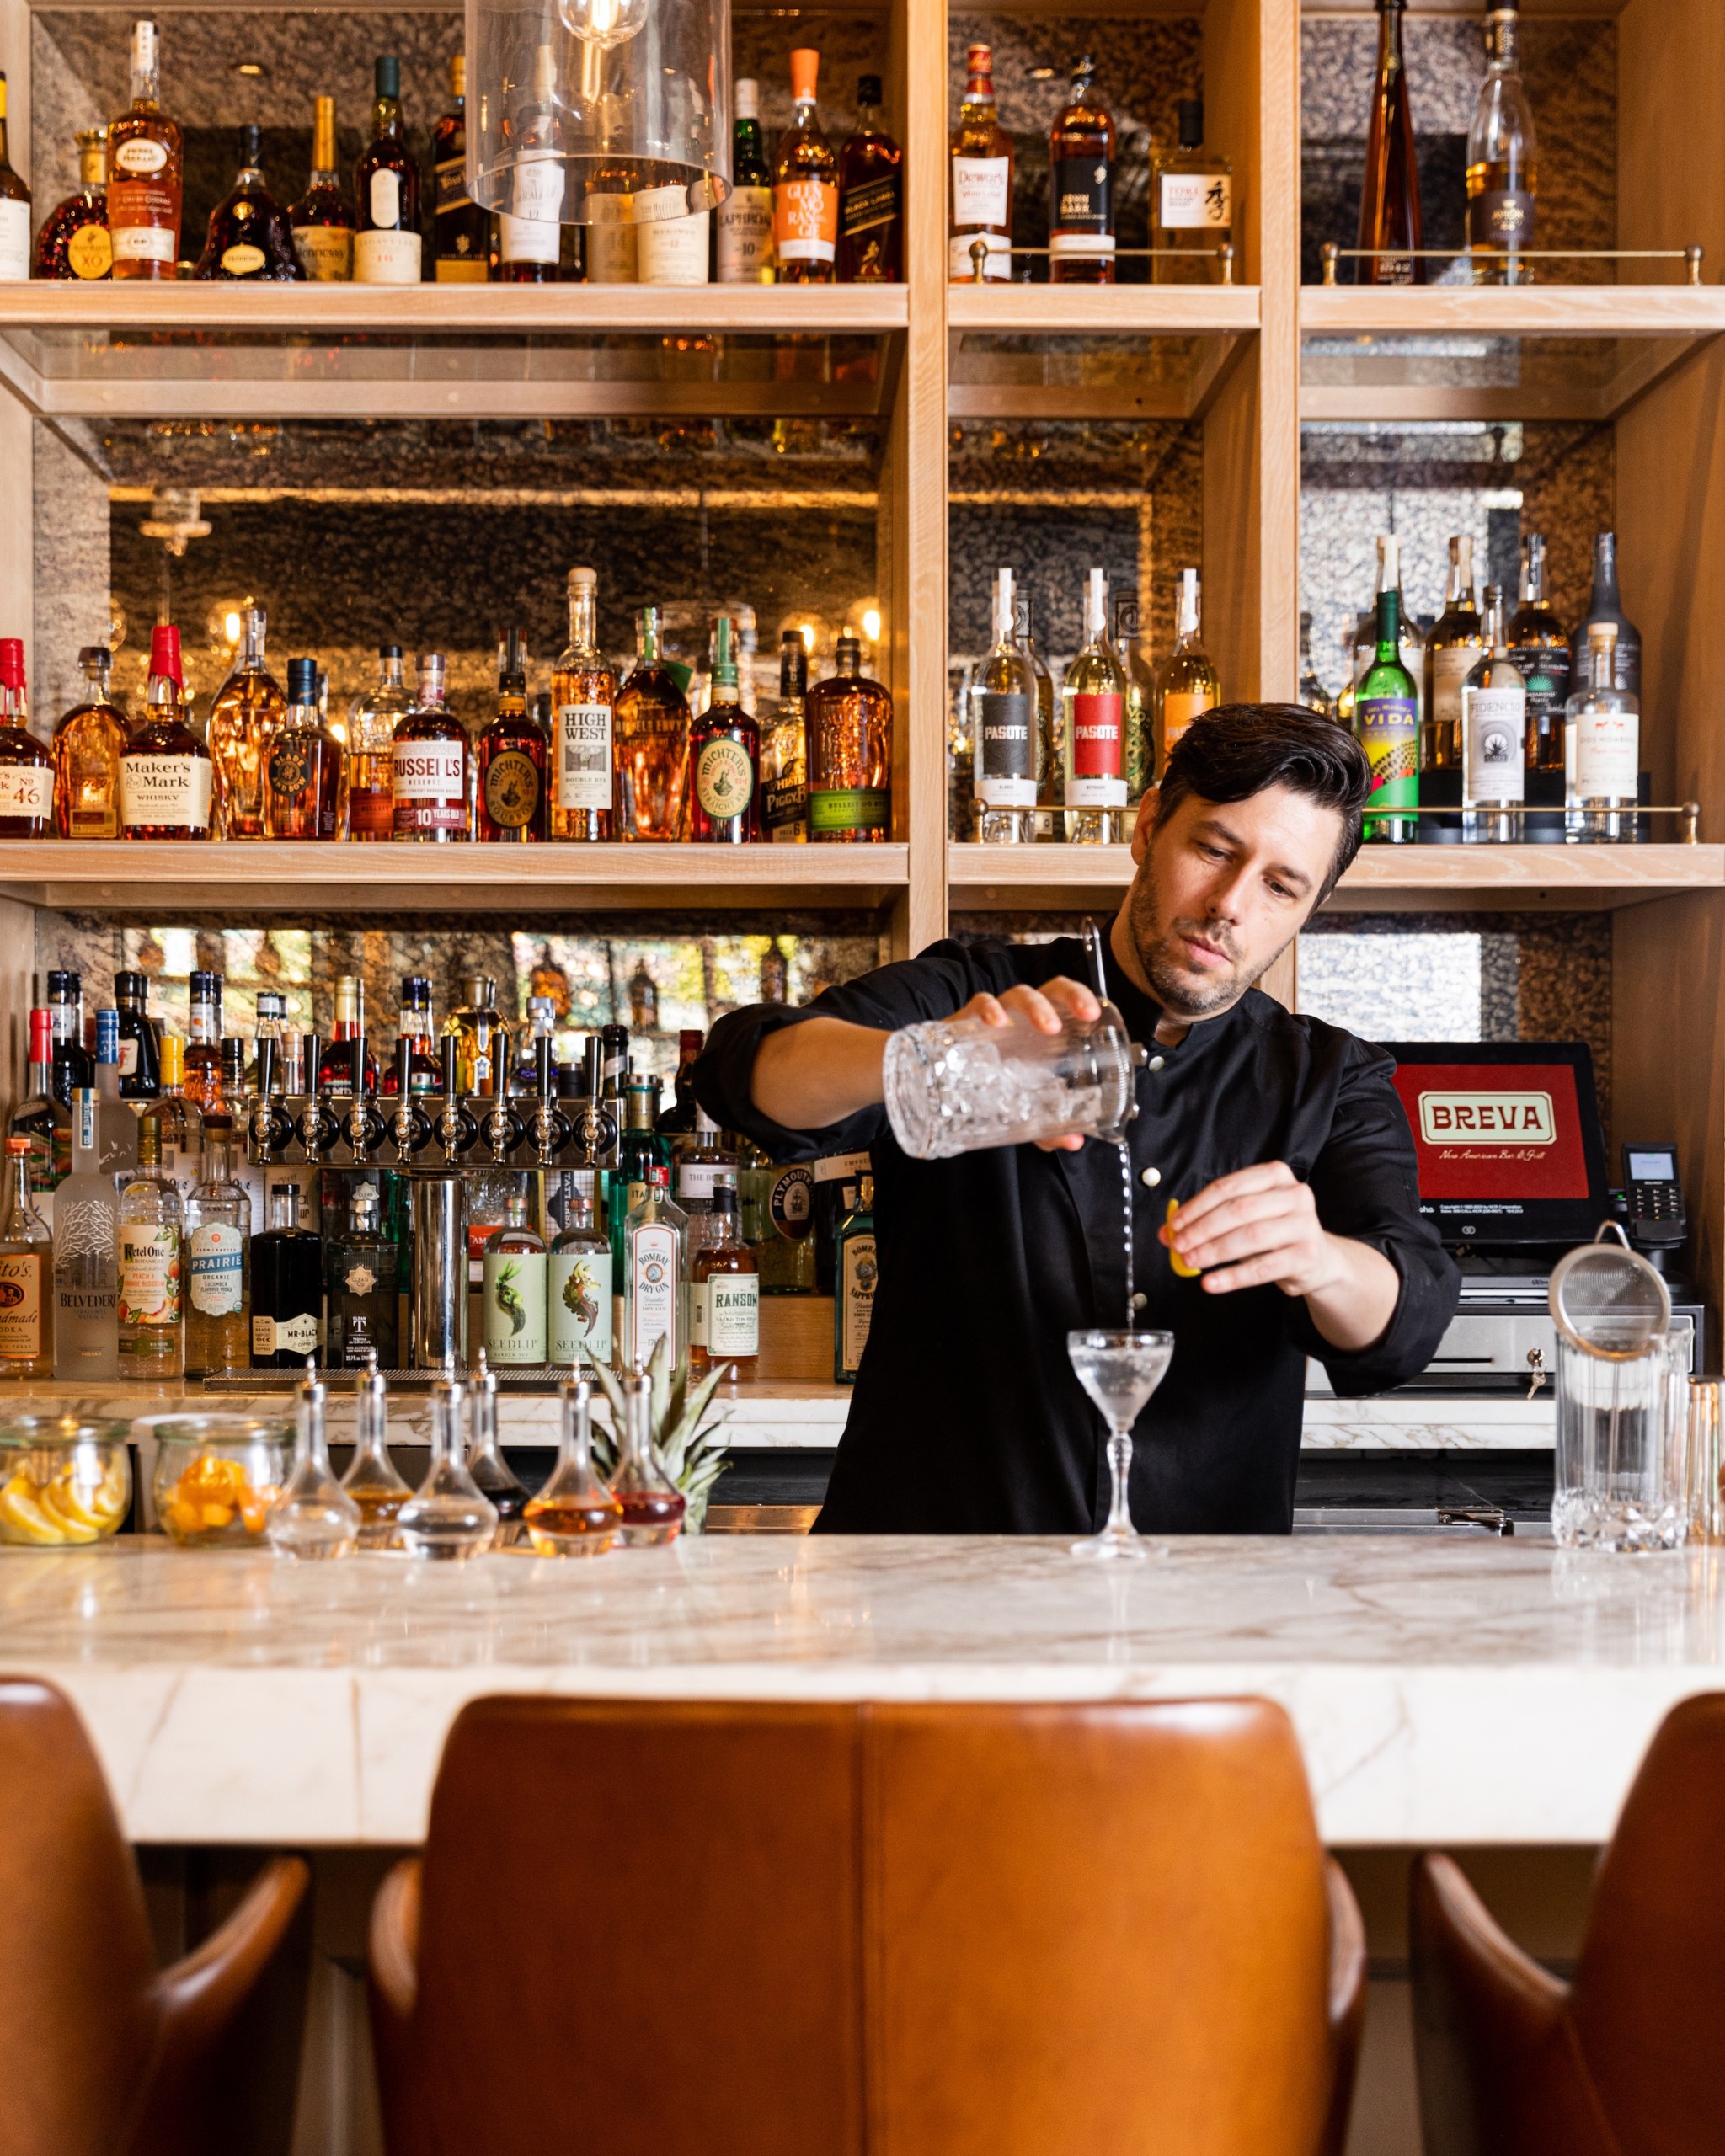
column 805, row 65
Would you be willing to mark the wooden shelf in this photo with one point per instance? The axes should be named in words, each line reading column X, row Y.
column 1672, row 310
column 269, row 876
column 1081, row 310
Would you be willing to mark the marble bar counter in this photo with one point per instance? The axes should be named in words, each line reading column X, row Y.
column 1478, row 1691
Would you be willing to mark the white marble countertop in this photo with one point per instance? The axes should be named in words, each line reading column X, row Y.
column 1445, row 1691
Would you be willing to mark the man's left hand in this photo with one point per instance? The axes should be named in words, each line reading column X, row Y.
column 1256, row 1228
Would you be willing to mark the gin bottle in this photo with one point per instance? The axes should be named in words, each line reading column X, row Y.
column 655, row 1242
column 1493, row 736
column 86, row 1335
column 578, row 1285
column 514, row 1291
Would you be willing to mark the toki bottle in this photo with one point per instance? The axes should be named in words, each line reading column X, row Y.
column 651, row 723
column 26, row 1273
column 1187, row 684
column 1389, row 202
column 1494, row 736
column 725, row 756
column 146, row 169
column 149, row 1256
column 578, row 1283
column 1606, row 606
column 448, row 1518
column 513, row 1291
column 1602, row 750
column 314, row 1518
column 372, row 1480
column 322, row 221
column 493, row 1475
column 574, row 1514
column 429, row 765
column 512, row 754
column 1003, row 731
column 1192, row 205
column 1386, row 718
column 387, row 245
column 982, row 161
column 1093, row 710
column 86, row 1217
column 26, row 766
column 87, row 745
column 583, row 697
column 1502, row 161
column 302, row 765
column 248, row 708
column 744, row 220
column 652, row 1506
column 655, row 1244
column 165, row 776
column 805, row 186
column 1080, row 188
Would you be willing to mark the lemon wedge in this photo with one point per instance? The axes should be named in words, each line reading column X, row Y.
column 1182, row 1271
column 20, row 1512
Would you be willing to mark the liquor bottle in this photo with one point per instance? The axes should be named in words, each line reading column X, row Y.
column 43, row 1118
column 640, row 1150
column 805, row 186
column 448, row 1519
column 1049, row 748
column 871, row 248
column 218, row 1235
column 72, row 1063
column 724, row 1295
column 541, row 1025
column 429, row 765
column 1094, row 708
column 481, row 1032
column 322, row 221
column 1541, row 651
column 1139, row 718
column 776, row 1217
column 14, row 211
column 415, row 1025
column 655, row 1241
column 148, row 1258
column 578, row 1285
column 1602, row 756
column 145, row 169
column 1389, row 202
column 1081, row 196
column 678, row 1120
column 849, row 722
column 250, row 240
column 165, row 776
column 26, row 1275
column 514, row 1291
column 74, row 242
column 574, row 1514
column 745, row 217
column 1452, row 651
column 287, row 1285
column 673, row 244
column 26, row 767
column 512, row 757
column 364, row 1290
column 856, row 1268
column 371, row 722
column 1605, row 605
column 1386, row 718
column 582, row 695
column 1312, row 692
column 724, row 757
column 313, row 1520
column 177, row 1123
column 702, row 1166
column 387, row 245
column 86, row 1217
column 1003, row 728
column 608, row 199
column 116, row 1119
column 302, row 765
column 1192, row 205
column 784, row 749
column 335, row 1065
column 140, row 1053
column 983, row 158
column 460, row 229
column 1186, row 683
column 1502, row 161
column 493, row 1475
column 529, row 231
column 248, row 708
column 651, row 723
column 1493, row 731
column 203, row 1053
column 87, row 746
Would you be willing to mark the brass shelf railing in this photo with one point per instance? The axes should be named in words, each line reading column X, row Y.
column 981, row 252
column 1691, row 257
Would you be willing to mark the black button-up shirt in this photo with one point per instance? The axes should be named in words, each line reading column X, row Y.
column 967, row 1418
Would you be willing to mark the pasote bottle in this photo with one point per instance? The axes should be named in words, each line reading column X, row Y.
column 1093, row 712
column 146, row 169
column 387, row 245
column 1003, row 732
column 982, row 166
column 87, row 745
column 1389, row 227
column 1387, row 718
column 805, row 186
column 322, row 221
column 512, row 757
column 74, row 244
column 86, row 1322
column 724, row 757
column 26, row 766
column 165, row 772
column 1187, row 684
column 744, row 220
column 1081, row 201
column 871, row 248
column 249, row 239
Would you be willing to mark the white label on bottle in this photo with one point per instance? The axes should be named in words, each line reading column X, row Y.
column 535, row 191
column 1450, row 668
column 217, row 1267
column 1196, row 202
column 744, row 235
column 514, row 1289
column 285, row 1335
column 520, row 240
column 26, row 790
column 578, row 1306
column 699, row 1179
column 15, row 242
column 857, row 1278
column 147, row 1261
column 429, row 770
column 584, row 756
column 997, row 270
column 143, row 242
column 674, row 252
column 842, row 1168
column 385, row 258
column 128, row 1065
column 386, row 198
column 169, row 790
column 140, row 157
column 611, row 239
column 652, row 1297
column 1096, row 793
column 1607, row 754
column 980, row 188
column 732, row 1314
column 1494, row 725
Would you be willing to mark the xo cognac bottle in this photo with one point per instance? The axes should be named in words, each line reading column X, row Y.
column 146, row 170
column 1081, row 205
column 249, row 240
column 870, row 197
column 805, row 186
column 322, row 221
column 850, row 732
column 302, row 768
column 429, row 759
column 583, row 698
column 386, row 248
column 512, row 755
column 73, row 242
column 26, row 767
column 982, row 159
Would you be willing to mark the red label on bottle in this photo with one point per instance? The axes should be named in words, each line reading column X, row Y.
column 1097, row 736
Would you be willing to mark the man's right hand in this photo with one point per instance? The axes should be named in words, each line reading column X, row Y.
column 1045, row 1010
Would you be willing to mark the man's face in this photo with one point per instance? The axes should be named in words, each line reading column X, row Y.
column 1223, row 890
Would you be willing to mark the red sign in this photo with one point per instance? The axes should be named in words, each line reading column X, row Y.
column 1096, row 737
column 1505, row 1130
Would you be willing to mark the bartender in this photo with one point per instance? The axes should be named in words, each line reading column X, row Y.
column 1279, row 1140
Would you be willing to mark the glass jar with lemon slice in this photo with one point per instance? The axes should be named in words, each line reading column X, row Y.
column 64, row 1480
column 216, row 1477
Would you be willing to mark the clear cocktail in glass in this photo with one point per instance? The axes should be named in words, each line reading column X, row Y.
column 1119, row 1371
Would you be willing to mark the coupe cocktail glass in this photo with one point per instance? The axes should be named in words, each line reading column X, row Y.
column 1119, row 1371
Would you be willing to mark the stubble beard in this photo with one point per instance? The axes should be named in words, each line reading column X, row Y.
column 1172, row 982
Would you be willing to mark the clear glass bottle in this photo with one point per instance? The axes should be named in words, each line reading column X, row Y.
column 1003, row 730
column 655, row 1243
column 371, row 722
column 578, row 1285
column 725, row 1293
column 166, row 772
column 87, row 745
column 363, row 1289
column 1541, row 651
column 27, row 1293
column 652, row 1507
column 1386, row 718
column 511, row 756
column 178, row 1122
column 651, row 721
column 1092, row 710
column 1191, row 205
column 1604, row 603
column 1126, row 635
column 448, row 1518
column 116, row 1121
column 982, row 161
column 583, row 700
column 513, row 1291
column 849, row 721
column 1502, row 161
column 1080, row 188
column 1312, row 692
column 492, row 1473
column 805, row 186
column 372, row 1480
column 1602, row 750
column 86, row 1215
column 1452, row 652
column 574, row 1515
column 249, row 707
column 1493, row 736
column 428, row 764
column 314, row 1518
column 149, row 1258
column 304, row 765
column 218, row 1235
column 1186, row 683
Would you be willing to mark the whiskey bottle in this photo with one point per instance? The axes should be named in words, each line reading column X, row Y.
column 322, row 221
column 364, row 1289
column 414, row 1025
column 1186, row 683
column 856, row 1273
column 529, row 231
column 460, row 229
column 512, row 756
column 429, row 765
column 1541, row 651
column 203, row 1052
column 302, row 767
column 784, row 749
column 849, row 730
column 1192, row 205
column 1126, row 634
column 1451, row 652
column 15, row 210
column 1386, row 717
column 387, row 245
column 43, row 1117
column 583, row 697
column 1080, row 204
column 655, row 1239
column 74, row 243
column 1389, row 202
column 871, row 249
column 248, row 708
column 724, row 1295
column 370, row 750
column 983, row 157
column 335, row 1065
column 26, row 1275
column 218, row 1235
column 140, row 1052
column 702, row 1166
column 1003, row 730
column 1312, row 692
column 745, row 217
column 514, row 1291
column 249, row 240
column 577, row 1283
column 287, row 1286
column 724, row 757
column 1050, row 746
column 805, row 186
column 1605, row 606
column 1093, row 708
column 1493, row 730
column 1502, row 161
column 608, row 199
column 146, row 170
column 482, row 1033
column 86, row 1217
column 1602, row 756
column 175, row 1123
column 26, row 767
column 165, row 772
column 677, row 1122
column 652, row 742
column 149, row 1255
column 87, row 745
column 71, row 1063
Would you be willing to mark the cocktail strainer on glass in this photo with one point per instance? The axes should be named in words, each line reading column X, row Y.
column 1607, row 1301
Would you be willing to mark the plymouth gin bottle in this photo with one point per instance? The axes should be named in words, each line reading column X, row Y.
column 578, row 1285
column 1003, row 728
column 1094, row 708
column 1602, row 749
column 1493, row 736
column 86, row 1338
column 1386, row 719
column 218, row 1234
column 655, row 1246
column 148, row 1259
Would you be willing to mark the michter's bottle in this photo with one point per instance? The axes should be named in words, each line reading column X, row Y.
column 511, row 755
column 1387, row 718
column 724, row 757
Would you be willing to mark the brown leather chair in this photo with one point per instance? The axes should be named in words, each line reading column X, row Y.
column 747, row 1930
column 109, row 2056
column 1624, row 2061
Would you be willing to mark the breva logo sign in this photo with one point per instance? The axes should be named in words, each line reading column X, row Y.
column 1480, row 1118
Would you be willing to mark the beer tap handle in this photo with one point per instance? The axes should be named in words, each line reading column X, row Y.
column 591, row 1128
column 449, row 1122
column 402, row 1122
column 356, row 1117
column 312, row 1130
column 550, row 1128
column 262, row 1113
column 500, row 1124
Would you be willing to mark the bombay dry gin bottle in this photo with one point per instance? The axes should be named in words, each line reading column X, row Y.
column 745, row 218
column 849, row 722
column 1080, row 201
column 1093, row 705
column 805, row 186
column 583, row 697
column 165, row 772
column 656, row 1241
column 387, row 246
column 982, row 159
column 322, row 221
column 148, row 1258
column 73, row 243
column 1387, row 716
column 145, row 168
column 26, row 1274
column 1003, row 730
column 15, row 210
column 26, row 767
column 428, row 761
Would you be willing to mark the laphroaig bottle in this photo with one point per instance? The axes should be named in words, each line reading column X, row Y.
column 149, row 1262
column 1093, row 702
column 1387, row 718
column 1003, row 728
column 387, row 245
column 1493, row 736
column 745, row 217
column 86, row 1326
column 655, row 1246
column 218, row 1235
column 514, row 1271
column 856, row 1270
column 725, row 1294
column 577, row 1283
column 26, row 1274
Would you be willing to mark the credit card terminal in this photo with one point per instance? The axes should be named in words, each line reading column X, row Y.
column 1655, row 1216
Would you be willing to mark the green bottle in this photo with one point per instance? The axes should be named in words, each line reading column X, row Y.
column 855, row 1270
column 1387, row 718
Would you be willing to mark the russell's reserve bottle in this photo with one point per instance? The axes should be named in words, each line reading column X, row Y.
column 428, row 764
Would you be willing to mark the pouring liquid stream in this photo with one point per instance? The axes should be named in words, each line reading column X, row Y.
column 1126, row 1221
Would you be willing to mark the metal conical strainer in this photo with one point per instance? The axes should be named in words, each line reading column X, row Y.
column 1606, row 1299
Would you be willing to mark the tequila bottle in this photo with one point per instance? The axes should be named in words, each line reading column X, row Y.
column 1093, row 705
column 1502, row 161
column 652, row 742
column 372, row 1480
column 1186, row 683
column 448, row 1518
column 86, row 1215
column 1493, row 735
column 574, row 1515
column 1602, row 750
column 148, row 1261
column 577, row 1283
column 1541, row 651
column 87, row 744
column 314, row 1518
column 1050, row 746
column 514, row 1290
column 248, row 709
column 656, row 1241
column 26, row 1274
column 493, row 1475
column 1003, row 731
column 1389, row 202
column 582, row 699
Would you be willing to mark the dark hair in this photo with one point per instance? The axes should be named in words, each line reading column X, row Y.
column 1239, row 749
